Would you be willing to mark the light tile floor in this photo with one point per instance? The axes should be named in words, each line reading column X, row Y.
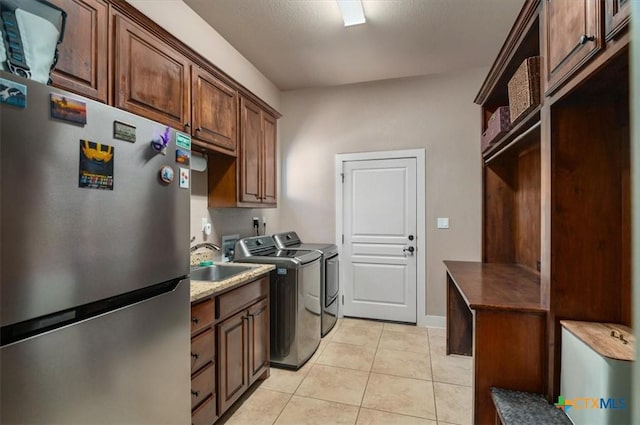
column 365, row 373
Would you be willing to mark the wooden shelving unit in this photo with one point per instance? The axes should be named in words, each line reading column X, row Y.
column 519, row 133
column 556, row 209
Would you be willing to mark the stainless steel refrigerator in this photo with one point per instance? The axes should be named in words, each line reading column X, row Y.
column 94, row 263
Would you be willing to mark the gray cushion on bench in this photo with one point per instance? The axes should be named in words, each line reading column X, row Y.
column 520, row 408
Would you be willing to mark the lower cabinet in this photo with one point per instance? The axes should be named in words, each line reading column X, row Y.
column 259, row 354
column 203, row 364
column 232, row 352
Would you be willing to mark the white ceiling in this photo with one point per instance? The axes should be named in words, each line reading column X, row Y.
column 304, row 43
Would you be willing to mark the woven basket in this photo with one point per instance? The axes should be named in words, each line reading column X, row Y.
column 498, row 124
column 524, row 89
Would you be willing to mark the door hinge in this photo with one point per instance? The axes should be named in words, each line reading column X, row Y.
column 343, row 300
column 343, row 239
column 342, row 175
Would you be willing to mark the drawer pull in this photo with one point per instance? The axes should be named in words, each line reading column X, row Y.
column 195, row 320
column 195, row 355
column 195, row 393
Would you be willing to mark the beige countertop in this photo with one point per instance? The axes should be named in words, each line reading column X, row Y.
column 202, row 288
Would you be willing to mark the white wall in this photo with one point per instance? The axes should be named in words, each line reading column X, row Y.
column 433, row 112
column 184, row 24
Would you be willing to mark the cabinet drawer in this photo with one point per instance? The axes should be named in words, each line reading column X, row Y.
column 202, row 349
column 202, row 385
column 201, row 315
column 206, row 413
column 234, row 301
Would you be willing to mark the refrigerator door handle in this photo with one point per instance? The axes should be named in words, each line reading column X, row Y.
column 18, row 331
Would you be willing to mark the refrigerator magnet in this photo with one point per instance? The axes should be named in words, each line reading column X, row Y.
column 183, row 157
column 12, row 93
column 67, row 109
column 122, row 131
column 96, row 165
column 166, row 174
column 183, row 141
column 184, row 178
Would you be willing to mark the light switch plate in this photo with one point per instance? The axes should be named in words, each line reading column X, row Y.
column 443, row 222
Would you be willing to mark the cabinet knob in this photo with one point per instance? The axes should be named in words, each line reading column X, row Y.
column 195, row 355
column 198, row 130
column 195, row 320
column 584, row 38
column 195, row 393
column 187, row 126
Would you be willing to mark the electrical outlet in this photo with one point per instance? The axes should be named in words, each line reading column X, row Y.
column 256, row 222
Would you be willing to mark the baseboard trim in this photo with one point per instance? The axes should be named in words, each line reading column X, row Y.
column 430, row 321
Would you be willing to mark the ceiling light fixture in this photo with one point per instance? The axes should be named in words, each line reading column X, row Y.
column 352, row 12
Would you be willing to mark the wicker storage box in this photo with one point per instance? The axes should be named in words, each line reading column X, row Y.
column 524, row 88
column 498, row 124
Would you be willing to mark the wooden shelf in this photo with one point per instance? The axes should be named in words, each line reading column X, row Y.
column 516, row 136
column 494, row 286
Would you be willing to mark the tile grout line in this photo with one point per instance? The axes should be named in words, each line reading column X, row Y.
column 364, row 392
column 433, row 383
column 282, row 410
column 337, row 326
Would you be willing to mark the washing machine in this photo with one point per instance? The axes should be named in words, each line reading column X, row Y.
column 329, row 275
column 295, row 309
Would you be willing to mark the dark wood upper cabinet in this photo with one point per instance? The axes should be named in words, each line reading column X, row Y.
column 573, row 36
column 616, row 17
column 269, row 160
column 83, row 55
column 251, row 152
column 152, row 78
column 215, row 108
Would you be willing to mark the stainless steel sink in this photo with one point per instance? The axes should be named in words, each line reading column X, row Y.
column 217, row 273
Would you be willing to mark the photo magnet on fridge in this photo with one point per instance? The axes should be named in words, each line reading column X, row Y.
column 67, row 109
column 96, row 165
column 12, row 93
column 122, row 131
column 183, row 157
column 184, row 178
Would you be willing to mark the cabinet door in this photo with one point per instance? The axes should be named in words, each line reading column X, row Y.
column 250, row 151
column 214, row 111
column 269, row 194
column 83, row 54
column 616, row 17
column 233, row 356
column 573, row 35
column 153, row 78
column 258, row 339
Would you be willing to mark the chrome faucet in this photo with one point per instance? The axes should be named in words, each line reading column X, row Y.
column 209, row 245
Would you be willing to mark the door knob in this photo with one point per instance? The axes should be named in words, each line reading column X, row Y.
column 409, row 250
column 410, row 237
column 584, row 38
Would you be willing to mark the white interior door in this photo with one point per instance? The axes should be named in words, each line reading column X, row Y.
column 379, row 251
